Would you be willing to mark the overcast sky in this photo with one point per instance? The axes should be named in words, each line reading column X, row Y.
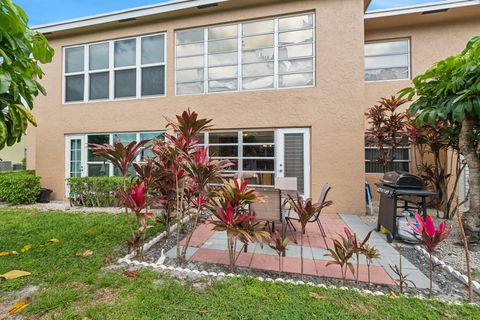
column 46, row 11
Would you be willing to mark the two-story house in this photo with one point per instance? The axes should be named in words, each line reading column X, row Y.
column 286, row 82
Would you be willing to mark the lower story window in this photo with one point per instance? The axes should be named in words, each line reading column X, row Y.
column 82, row 161
column 258, row 155
column 401, row 161
column 252, row 152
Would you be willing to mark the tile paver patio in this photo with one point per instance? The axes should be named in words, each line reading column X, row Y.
column 209, row 246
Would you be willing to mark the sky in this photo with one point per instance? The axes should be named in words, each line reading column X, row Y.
column 47, row 11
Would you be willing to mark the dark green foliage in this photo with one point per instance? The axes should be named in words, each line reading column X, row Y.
column 21, row 52
column 94, row 191
column 19, row 187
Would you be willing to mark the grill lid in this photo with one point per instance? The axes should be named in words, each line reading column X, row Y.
column 400, row 179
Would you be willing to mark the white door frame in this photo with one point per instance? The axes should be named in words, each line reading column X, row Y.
column 83, row 156
column 306, row 154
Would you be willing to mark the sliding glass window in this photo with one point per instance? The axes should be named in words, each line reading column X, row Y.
column 261, row 54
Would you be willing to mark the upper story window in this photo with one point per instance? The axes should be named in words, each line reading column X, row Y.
column 387, row 60
column 265, row 54
column 126, row 68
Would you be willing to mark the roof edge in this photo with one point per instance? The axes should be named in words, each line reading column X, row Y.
column 420, row 8
column 131, row 13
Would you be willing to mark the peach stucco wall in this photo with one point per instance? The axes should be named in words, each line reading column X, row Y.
column 333, row 109
column 432, row 38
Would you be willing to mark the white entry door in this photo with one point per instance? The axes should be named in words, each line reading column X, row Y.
column 293, row 157
column 75, row 157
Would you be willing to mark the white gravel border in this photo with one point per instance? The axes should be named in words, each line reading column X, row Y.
column 456, row 274
column 221, row 275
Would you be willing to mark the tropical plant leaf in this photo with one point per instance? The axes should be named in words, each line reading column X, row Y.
column 14, row 274
column 8, row 253
column 26, row 248
column 86, row 253
column 19, row 306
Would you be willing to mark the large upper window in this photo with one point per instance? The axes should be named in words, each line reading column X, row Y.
column 126, row 68
column 387, row 60
column 265, row 54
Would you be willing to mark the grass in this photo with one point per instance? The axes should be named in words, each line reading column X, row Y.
column 476, row 274
column 78, row 288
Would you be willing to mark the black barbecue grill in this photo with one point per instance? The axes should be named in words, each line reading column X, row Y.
column 400, row 186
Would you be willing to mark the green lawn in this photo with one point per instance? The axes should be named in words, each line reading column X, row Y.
column 75, row 288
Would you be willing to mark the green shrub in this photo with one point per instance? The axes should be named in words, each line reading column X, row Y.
column 19, row 187
column 94, row 191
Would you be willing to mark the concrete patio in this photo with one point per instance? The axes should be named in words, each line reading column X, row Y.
column 210, row 246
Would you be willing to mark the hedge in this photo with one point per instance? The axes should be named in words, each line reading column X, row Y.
column 19, row 187
column 94, row 191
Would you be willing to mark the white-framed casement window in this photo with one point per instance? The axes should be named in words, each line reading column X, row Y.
column 402, row 160
column 115, row 69
column 81, row 160
column 254, row 55
column 387, row 60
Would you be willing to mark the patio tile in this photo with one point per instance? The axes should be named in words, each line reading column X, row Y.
column 294, row 252
column 377, row 274
column 265, row 249
column 200, row 235
column 264, row 262
column 210, row 256
column 293, row 265
column 319, row 253
column 172, row 253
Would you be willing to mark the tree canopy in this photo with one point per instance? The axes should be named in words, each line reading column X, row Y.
column 450, row 89
column 22, row 50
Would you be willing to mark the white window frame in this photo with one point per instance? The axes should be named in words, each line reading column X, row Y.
column 276, row 74
column 278, row 153
column 409, row 56
column 111, row 70
column 86, row 162
column 409, row 147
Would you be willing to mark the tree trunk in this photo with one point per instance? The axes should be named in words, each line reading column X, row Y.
column 472, row 157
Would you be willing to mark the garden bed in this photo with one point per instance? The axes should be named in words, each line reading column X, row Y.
column 154, row 252
column 450, row 251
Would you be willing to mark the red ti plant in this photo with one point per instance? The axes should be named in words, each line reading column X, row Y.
column 430, row 237
column 280, row 246
column 200, row 170
column 370, row 253
column 387, row 129
column 341, row 254
column 121, row 157
column 231, row 214
column 357, row 246
column 305, row 210
column 136, row 200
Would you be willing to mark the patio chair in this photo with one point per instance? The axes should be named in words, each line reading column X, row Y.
column 270, row 210
column 322, row 203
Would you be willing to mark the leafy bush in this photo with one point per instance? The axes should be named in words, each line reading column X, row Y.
column 19, row 187
column 94, row 191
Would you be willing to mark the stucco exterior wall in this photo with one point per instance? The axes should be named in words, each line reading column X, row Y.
column 333, row 109
column 432, row 38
